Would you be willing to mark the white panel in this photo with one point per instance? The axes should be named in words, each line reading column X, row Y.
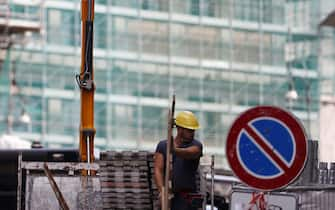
column 241, row 200
column 327, row 133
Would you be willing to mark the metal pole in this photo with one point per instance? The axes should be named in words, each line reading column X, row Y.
column 55, row 188
column 11, row 76
column 88, row 153
column 19, row 182
column 212, row 183
column 308, row 101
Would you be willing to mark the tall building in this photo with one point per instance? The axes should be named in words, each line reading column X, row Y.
column 220, row 57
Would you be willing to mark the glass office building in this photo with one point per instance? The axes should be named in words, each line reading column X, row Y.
column 220, row 57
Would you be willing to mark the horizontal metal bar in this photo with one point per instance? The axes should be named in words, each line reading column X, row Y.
column 66, row 166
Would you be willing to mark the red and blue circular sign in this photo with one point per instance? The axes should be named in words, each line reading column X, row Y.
column 266, row 147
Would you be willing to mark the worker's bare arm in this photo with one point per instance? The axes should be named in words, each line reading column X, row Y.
column 159, row 170
column 192, row 152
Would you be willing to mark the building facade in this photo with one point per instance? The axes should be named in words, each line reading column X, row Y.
column 220, row 57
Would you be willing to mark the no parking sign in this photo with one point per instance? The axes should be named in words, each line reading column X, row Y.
column 266, row 147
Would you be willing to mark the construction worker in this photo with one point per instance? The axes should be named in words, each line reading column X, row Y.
column 186, row 153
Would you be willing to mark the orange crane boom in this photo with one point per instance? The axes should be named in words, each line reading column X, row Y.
column 86, row 84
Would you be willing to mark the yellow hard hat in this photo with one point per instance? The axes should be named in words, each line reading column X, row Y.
column 187, row 119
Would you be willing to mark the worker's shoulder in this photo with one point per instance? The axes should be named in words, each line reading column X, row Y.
column 161, row 147
column 161, row 144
